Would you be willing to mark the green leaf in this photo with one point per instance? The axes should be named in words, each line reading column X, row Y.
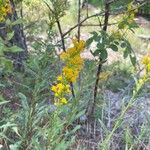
column 103, row 54
column 125, row 54
column 10, row 35
column 2, row 47
column 75, row 129
column 94, row 33
column 2, row 100
column 132, row 26
column 15, row 49
column 96, row 52
column 1, row 52
column 15, row 146
column 18, row 21
column 123, row 45
column 15, row 129
column 114, row 47
column 81, row 113
column 6, row 63
column 89, row 41
column 24, row 101
column 116, row 42
column 122, row 25
column 7, row 125
column 8, row 22
column 36, row 144
column 133, row 60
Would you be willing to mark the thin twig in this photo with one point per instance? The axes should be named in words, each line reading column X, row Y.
column 79, row 18
column 91, row 108
column 81, row 22
column 79, row 33
column 61, row 35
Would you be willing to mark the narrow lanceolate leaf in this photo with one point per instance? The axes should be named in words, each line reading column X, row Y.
column 24, row 101
column 89, row 41
column 2, row 100
column 133, row 60
column 10, row 35
column 15, row 49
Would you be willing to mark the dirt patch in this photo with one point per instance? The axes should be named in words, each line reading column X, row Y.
column 143, row 21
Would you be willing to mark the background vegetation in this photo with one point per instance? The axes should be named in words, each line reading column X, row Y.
column 74, row 75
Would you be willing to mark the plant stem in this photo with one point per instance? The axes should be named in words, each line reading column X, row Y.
column 118, row 122
column 61, row 35
column 91, row 108
column 64, row 49
column 79, row 18
column 79, row 33
column 106, row 141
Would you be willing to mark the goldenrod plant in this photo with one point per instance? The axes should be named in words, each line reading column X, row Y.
column 139, row 83
column 73, row 65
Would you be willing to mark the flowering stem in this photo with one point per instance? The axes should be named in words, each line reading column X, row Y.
column 64, row 49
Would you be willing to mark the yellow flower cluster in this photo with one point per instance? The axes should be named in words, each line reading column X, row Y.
column 146, row 76
column 146, row 62
column 60, row 91
column 73, row 61
column 5, row 8
column 73, row 65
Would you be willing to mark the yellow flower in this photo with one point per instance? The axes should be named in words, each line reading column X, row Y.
column 54, row 88
column 146, row 60
column 63, row 101
column 79, row 45
column 67, row 88
column 70, row 74
column 64, row 55
column 56, row 95
column 8, row 9
column 5, row 8
column 76, row 61
column 148, row 67
column 58, row 89
column 60, row 78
